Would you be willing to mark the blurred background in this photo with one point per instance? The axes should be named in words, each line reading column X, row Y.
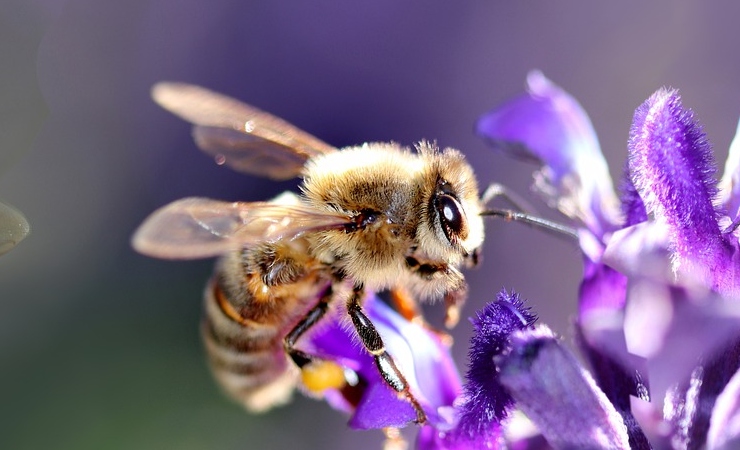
column 99, row 346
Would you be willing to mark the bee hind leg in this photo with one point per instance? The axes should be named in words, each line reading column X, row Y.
column 373, row 343
column 317, row 374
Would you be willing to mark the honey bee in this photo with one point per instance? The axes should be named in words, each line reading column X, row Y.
column 373, row 217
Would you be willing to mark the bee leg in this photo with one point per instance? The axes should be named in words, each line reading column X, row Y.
column 455, row 297
column 276, row 264
column 454, row 300
column 406, row 305
column 318, row 375
column 374, row 345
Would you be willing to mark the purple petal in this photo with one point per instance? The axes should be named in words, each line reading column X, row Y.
column 558, row 395
column 602, row 288
column 430, row 438
column 619, row 383
column 729, row 186
column 650, row 417
column 485, row 402
column 554, row 129
column 672, row 327
column 633, row 208
column 641, row 250
column 680, row 408
column 419, row 353
column 724, row 431
column 673, row 170
column 711, row 379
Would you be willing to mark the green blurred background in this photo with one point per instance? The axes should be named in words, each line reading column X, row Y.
column 99, row 346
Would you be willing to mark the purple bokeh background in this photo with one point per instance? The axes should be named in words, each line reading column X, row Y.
column 99, row 346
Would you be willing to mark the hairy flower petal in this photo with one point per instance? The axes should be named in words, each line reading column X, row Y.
column 673, row 170
column 558, row 395
column 633, row 208
column 484, row 402
column 548, row 125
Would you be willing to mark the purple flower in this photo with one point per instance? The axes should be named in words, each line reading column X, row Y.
column 416, row 349
column 458, row 417
column 514, row 364
column 659, row 312
column 511, row 363
column 484, row 402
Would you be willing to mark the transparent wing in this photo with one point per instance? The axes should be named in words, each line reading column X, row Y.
column 238, row 135
column 194, row 228
column 13, row 227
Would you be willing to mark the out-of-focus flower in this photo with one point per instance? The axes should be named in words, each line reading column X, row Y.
column 659, row 313
column 13, row 227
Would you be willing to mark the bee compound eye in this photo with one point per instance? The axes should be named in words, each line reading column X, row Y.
column 450, row 216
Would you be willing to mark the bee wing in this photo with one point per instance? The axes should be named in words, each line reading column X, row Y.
column 239, row 135
column 194, row 228
column 13, row 227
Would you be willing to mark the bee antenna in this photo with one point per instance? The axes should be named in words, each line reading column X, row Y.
column 534, row 221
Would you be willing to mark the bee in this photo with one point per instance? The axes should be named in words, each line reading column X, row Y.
column 368, row 218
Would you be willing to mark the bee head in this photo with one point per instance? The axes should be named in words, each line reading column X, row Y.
column 451, row 228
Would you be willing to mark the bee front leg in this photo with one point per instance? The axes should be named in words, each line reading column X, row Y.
column 405, row 304
column 448, row 277
column 374, row 345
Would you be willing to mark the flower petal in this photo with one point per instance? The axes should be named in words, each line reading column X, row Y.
column 729, row 186
column 602, row 289
column 540, row 373
column 485, row 402
column 633, row 208
column 724, row 430
column 555, row 130
column 620, row 383
column 691, row 416
column 673, row 170
column 641, row 250
column 672, row 327
column 419, row 353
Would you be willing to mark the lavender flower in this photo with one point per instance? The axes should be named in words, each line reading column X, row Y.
column 458, row 417
column 417, row 350
column 659, row 312
column 484, row 402
column 659, row 307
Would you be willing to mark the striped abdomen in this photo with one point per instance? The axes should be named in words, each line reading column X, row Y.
column 243, row 330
